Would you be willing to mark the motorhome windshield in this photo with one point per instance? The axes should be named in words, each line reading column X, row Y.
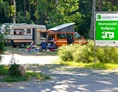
column 77, row 36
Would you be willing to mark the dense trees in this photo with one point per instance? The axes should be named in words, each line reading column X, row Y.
column 54, row 12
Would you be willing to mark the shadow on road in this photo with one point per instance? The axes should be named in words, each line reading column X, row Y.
column 71, row 79
column 67, row 79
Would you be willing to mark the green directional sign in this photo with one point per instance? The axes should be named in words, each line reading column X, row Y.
column 106, row 29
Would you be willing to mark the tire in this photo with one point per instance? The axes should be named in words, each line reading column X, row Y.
column 22, row 45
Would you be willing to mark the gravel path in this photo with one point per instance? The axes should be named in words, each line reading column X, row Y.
column 30, row 59
column 66, row 79
column 63, row 78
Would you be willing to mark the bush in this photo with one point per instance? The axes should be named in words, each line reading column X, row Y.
column 14, row 70
column 107, row 54
column 86, row 53
column 66, row 52
column 2, row 42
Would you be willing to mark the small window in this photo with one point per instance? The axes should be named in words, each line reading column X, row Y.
column 61, row 36
column 28, row 31
column 43, row 34
column 7, row 32
column 77, row 36
column 18, row 31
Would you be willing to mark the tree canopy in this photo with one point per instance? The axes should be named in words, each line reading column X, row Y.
column 54, row 12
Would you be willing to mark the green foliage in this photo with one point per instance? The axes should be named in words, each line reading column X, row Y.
column 14, row 70
column 40, row 76
column 4, row 8
column 37, row 75
column 85, row 8
column 51, row 14
column 13, row 79
column 87, row 53
column 2, row 43
column 108, row 66
column 66, row 52
column 64, row 12
column 7, row 78
column 23, row 19
column 107, row 54
column 3, row 70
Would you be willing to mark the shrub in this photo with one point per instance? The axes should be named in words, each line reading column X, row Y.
column 84, row 53
column 2, row 42
column 107, row 54
column 14, row 70
column 66, row 52
column 87, row 53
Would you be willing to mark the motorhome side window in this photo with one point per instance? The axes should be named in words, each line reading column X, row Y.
column 7, row 32
column 18, row 31
column 61, row 36
column 28, row 31
column 43, row 34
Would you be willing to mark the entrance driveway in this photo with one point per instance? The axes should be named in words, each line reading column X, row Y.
column 63, row 78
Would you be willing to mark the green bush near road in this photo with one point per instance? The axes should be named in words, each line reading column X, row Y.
column 29, row 74
column 2, row 42
column 87, row 53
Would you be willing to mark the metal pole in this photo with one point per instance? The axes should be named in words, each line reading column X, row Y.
column 93, row 19
column 91, row 34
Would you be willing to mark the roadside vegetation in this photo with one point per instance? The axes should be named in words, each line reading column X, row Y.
column 15, row 72
column 18, row 50
column 89, row 57
column 6, row 77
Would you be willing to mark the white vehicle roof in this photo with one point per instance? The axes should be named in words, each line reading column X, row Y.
column 22, row 26
column 61, row 26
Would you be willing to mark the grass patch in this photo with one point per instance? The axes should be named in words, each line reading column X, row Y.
column 40, row 76
column 13, row 79
column 3, row 70
column 37, row 75
column 107, row 66
column 10, row 49
column 7, row 78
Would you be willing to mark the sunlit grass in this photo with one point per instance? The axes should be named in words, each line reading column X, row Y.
column 10, row 49
column 107, row 66
column 3, row 70
column 29, row 74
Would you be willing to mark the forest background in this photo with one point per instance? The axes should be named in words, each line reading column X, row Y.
column 55, row 12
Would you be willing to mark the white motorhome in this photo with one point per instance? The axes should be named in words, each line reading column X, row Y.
column 22, row 34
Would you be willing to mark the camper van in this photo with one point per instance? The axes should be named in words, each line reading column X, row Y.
column 22, row 34
column 63, row 34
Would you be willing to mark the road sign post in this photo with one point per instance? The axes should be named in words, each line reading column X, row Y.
column 106, row 29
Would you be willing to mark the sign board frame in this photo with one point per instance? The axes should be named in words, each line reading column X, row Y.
column 106, row 28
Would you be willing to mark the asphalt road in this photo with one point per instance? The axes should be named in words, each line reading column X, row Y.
column 63, row 78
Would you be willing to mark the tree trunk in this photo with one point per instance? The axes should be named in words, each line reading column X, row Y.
column 10, row 11
column 56, row 1
column 14, row 17
column 112, row 5
column 29, row 9
column 99, row 5
column 24, row 8
column 106, row 2
column 91, row 33
column 117, row 1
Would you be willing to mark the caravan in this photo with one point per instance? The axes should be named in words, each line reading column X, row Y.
column 22, row 34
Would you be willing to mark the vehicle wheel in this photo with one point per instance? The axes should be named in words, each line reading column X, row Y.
column 22, row 45
column 55, row 46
